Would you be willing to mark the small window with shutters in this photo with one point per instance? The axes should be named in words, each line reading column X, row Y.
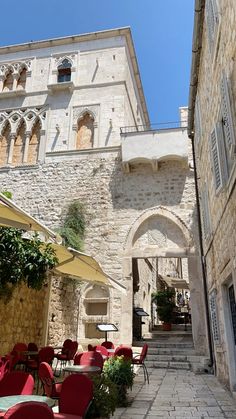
column 214, row 317
column 219, row 165
column 212, row 22
column 205, row 213
column 228, row 117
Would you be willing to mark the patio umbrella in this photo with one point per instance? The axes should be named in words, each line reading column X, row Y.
column 174, row 282
column 13, row 216
column 78, row 265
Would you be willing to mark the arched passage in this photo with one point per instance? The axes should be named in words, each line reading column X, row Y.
column 156, row 242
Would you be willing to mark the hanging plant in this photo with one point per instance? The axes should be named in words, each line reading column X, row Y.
column 23, row 260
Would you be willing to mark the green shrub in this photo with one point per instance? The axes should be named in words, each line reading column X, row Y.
column 119, row 370
column 73, row 229
column 165, row 304
column 104, row 398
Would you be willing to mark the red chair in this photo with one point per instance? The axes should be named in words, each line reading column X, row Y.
column 76, row 395
column 125, row 351
column 20, row 348
column 139, row 360
column 4, row 366
column 51, row 389
column 65, row 354
column 102, row 350
column 45, row 354
column 29, row 410
column 32, row 347
column 16, row 382
column 92, row 358
column 108, row 345
column 91, row 347
column 13, row 359
column 77, row 358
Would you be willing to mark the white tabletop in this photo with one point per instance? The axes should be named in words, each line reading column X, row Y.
column 9, row 401
column 82, row 369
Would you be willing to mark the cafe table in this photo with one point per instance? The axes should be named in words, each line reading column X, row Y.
column 8, row 401
column 82, row 369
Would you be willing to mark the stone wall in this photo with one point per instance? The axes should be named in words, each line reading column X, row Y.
column 220, row 245
column 23, row 318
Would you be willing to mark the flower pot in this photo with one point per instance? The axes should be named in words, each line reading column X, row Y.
column 166, row 327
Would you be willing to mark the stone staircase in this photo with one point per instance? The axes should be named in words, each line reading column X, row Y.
column 173, row 350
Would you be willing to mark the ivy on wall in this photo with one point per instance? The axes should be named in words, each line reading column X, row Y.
column 73, row 230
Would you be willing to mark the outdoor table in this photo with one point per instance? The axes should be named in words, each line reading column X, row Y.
column 111, row 351
column 82, row 369
column 9, row 401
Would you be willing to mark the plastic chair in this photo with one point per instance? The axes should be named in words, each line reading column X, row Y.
column 19, row 348
column 76, row 395
column 91, row 347
column 16, row 382
column 51, row 389
column 29, row 410
column 125, row 351
column 139, row 360
column 32, row 346
column 107, row 344
column 92, row 358
column 45, row 354
column 4, row 366
column 69, row 349
column 102, row 350
column 77, row 358
column 13, row 358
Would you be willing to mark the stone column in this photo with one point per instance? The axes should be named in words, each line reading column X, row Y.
column 42, row 146
column 2, row 78
column 26, row 148
column 12, row 142
column 126, row 322
column 15, row 80
column 198, row 312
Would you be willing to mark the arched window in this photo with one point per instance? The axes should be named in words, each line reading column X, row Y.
column 18, row 150
column 8, row 82
column 64, row 71
column 5, row 145
column 22, row 79
column 34, row 144
column 85, row 132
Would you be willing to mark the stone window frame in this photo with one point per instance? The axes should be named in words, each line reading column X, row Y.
column 16, row 68
column 29, row 116
column 215, row 327
column 77, row 114
column 55, row 62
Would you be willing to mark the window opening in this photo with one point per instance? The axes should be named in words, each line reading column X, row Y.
column 64, row 71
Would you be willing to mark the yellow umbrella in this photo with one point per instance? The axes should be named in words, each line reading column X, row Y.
column 13, row 216
column 76, row 264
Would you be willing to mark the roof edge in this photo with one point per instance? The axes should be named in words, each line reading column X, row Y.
column 196, row 55
column 91, row 36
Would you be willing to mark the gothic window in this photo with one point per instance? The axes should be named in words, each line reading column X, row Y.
column 85, row 132
column 18, row 149
column 22, row 79
column 64, row 71
column 34, row 144
column 5, row 145
column 8, row 82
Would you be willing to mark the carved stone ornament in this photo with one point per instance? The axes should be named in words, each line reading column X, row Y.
column 16, row 117
column 80, row 111
column 15, row 67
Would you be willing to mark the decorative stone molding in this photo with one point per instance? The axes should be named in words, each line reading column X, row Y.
column 80, row 111
column 17, row 117
column 15, row 67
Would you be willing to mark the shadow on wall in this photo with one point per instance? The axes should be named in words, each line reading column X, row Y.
column 142, row 188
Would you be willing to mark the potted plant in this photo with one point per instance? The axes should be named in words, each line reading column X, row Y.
column 165, row 306
column 104, row 398
column 119, row 371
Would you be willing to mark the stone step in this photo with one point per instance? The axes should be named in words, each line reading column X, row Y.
column 168, row 364
column 161, row 344
column 171, row 351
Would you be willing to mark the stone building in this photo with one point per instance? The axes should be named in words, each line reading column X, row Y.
column 74, row 125
column 212, row 127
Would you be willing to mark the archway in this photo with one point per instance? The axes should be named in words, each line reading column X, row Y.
column 160, row 236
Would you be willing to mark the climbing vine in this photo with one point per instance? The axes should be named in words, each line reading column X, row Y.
column 73, row 230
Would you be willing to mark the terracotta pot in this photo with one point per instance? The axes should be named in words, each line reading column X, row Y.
column 166, row 326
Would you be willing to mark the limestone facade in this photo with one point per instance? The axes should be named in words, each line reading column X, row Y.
column 80, row 92
column 212, row 126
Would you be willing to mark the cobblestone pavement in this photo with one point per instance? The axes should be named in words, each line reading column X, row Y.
column 178, row 394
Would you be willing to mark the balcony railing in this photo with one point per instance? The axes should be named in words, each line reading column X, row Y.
column 154, row 127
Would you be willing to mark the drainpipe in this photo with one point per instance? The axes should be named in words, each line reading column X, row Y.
column 196, row 55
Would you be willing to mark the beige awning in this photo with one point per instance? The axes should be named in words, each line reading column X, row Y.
column 13, row 216
column 78, row 265
column 173, row 282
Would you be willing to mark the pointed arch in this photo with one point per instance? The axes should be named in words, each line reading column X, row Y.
column 8, row 82
column 5, row 144
column 34, row 143
column 22, row 79
column 85, row 132
column 64, row 70
column 19, row 144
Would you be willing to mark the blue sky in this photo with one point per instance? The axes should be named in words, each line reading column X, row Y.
column 161, row 29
